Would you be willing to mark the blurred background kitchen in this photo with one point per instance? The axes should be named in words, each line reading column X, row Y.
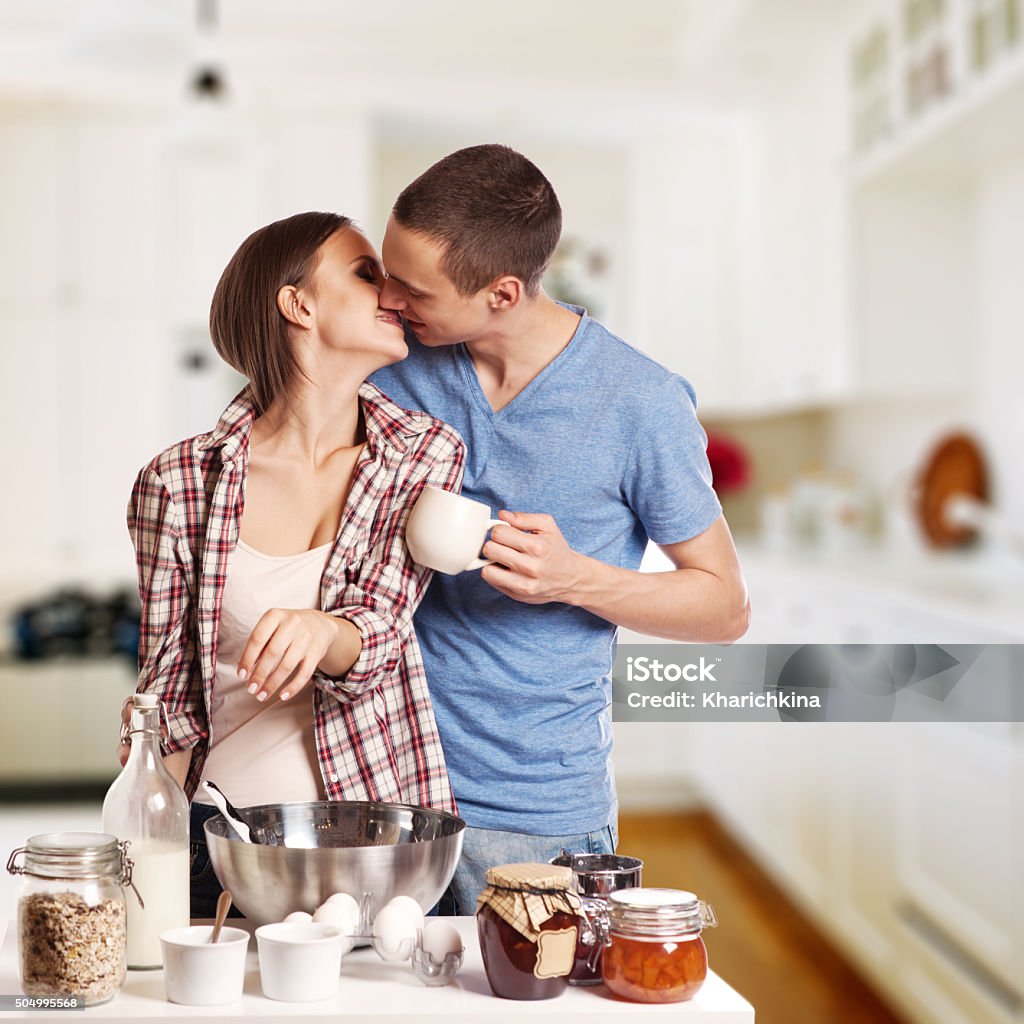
column 814, row 211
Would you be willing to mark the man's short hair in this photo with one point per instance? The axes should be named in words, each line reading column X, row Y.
column 491, row 209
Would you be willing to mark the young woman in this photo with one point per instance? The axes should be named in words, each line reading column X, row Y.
column 277, row 591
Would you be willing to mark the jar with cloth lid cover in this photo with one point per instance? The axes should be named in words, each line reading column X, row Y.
column 528, row 920
column 654, row 952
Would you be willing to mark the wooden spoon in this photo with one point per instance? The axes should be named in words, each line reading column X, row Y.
column 223, row 906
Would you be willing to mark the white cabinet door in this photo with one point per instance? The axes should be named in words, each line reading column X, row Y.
column 681, row 198
column 959, row 858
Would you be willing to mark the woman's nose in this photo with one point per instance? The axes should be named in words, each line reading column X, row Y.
column 391, row 295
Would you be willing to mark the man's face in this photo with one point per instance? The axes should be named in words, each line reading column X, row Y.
column 421, row 291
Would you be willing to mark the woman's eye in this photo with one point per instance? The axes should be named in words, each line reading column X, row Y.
column 367, row 273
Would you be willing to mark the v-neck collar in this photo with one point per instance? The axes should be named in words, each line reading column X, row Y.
column 465, row 362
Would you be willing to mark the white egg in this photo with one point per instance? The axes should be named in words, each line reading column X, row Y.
column 334, row 913
column 348, row 906
column 394, row 933
column 410, row 908
column 440, row 938
column 299, row 917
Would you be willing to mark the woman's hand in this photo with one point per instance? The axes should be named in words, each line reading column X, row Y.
column 287, row 646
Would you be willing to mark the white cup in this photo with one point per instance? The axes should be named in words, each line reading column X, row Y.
column 299, row 963
column 197, row 973
column 446, row 531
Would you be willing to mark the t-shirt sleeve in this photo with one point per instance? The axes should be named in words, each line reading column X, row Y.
column 667, row 480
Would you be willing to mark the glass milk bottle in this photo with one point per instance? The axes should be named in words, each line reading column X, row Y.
column 147, row 808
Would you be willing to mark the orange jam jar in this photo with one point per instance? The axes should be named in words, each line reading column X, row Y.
column 653, row 952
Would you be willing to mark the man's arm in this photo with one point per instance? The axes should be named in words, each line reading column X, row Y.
column 704, row 599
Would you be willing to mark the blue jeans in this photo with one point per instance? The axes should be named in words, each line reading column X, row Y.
column 484, row 848
column 204, row 886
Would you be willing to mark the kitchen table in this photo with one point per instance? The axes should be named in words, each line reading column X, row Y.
column 375, row 991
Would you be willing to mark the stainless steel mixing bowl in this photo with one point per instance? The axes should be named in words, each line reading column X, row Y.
column 307, row 851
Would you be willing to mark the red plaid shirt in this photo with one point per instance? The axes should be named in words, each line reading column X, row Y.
column 375, row 731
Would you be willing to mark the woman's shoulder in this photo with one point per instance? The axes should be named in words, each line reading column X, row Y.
column 178, row 467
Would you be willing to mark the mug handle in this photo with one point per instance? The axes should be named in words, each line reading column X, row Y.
column 479, row 563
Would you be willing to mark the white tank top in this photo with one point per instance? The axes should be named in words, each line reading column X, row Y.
column 262, row 753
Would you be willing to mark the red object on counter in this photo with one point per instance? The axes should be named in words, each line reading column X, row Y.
column 730, row 467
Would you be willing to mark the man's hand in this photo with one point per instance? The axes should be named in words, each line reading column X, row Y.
column 536, row 564
column 286, row 646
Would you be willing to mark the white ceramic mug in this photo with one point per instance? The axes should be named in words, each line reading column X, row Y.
column 446, row 531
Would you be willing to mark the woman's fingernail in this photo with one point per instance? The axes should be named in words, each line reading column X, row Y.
column 285, row 696
column 262, row 696
column 253, row 687
column 242, row 673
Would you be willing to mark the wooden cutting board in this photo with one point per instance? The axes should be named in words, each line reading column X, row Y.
column 955, row 466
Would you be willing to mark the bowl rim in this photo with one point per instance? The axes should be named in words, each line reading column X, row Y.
column 231, row 836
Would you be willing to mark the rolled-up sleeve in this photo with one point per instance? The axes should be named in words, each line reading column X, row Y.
column 390, row 585
column 167, row 648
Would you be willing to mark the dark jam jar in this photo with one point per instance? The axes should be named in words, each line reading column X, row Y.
column 654, row 952
column 529, row 925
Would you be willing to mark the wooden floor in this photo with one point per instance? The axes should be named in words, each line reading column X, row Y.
column 763, row 947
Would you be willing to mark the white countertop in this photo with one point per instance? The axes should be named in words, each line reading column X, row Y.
column 372, row 989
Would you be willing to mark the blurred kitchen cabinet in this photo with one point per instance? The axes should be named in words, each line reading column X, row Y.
column 739, row 279
column 961, row 890
column 681, row 195
column 34, row 203
column 111, row 216
column 912, row 261
column 67, row 715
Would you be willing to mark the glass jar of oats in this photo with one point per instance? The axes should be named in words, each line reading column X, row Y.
column 71, row 915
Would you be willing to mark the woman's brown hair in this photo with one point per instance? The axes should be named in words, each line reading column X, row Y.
column 249, row 332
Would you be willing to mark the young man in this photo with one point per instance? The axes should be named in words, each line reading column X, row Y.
column 590, row 448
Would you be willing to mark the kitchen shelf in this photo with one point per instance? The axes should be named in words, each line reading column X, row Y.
column 954, row 141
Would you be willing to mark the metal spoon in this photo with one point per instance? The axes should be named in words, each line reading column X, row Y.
column 223, row 906
column 234, row 819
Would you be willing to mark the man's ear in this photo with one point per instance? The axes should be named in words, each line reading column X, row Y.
column 505, row 293
column 291, row 301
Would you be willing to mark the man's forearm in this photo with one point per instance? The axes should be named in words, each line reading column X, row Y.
column 683, row 604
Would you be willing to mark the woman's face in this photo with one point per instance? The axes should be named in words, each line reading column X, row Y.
column 343, row 299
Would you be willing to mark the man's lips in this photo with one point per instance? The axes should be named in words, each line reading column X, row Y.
column 415, row 324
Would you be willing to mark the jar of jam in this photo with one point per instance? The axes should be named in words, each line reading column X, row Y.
column 654, row 952
column 528, row 920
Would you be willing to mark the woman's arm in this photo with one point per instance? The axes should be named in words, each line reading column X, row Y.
column 168, row 659
column 390, row 585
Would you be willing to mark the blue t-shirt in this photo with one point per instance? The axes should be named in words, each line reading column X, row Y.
column 606, row 441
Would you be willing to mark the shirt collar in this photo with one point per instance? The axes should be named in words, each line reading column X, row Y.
column 385, row 422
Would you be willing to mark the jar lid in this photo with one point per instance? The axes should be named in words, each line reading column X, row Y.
column 71, row 855
column 597, row 874
column 530, row 877
column 658, row 912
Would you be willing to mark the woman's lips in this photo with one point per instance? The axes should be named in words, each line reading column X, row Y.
column 390, row 318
